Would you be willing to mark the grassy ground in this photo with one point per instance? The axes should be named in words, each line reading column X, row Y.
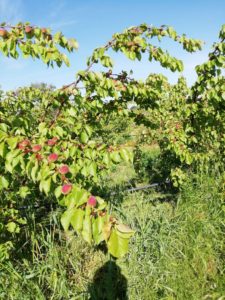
column 176, row 253
column 178, row 249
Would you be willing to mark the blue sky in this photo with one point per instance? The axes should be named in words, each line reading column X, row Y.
column 92, row 23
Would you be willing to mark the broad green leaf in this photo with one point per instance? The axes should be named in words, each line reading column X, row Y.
column 66, row 218
column 45, row 185
column 97, row 228
column 3, row 149
column 24, row 191
column 124, row 231
column 4, row 184
column 58, row 191
column 87, row 228
column 84, row 137
column 92, row 169
column 126, row 154
column 76, row 198
column 115, row 156
column 117, row 245
column 12, row 142
column 77, row 219
column 11, row 227
column 34, row 171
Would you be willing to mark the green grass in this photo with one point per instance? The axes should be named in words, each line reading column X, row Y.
column 177, row 251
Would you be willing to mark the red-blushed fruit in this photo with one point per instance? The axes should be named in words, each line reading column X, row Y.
column 53, row 157
column 23, row 144
column 21, row 147
column 3, row 33
column 44, row 30
column 36, row 148
column 66, row 188
column 52, row 141
column 64, row 169
column 28, row 29
column 92, row 201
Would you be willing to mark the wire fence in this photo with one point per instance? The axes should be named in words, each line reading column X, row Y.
column 138, row 188
column 134, row 189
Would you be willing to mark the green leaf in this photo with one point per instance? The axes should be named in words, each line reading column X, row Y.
column 45, row 185
column 84, row 137
column 11, row 227
column 77, row 219
column 92, row 169
column 58, row 191
column 3, row 149
column 34, row 171
column 73, row 43
column 97, row 227
column 4, row 184
column 59, row 130
column 126, row 155
column 42, row 128
column 115, row 157
column 87, row 230
column 12, row 142
column 124, row 231
column 24, row 191
column 12, row 154
column 4, row 127
column 117, row 245
column 66, row 218
column 106, row 158
column 76, row 198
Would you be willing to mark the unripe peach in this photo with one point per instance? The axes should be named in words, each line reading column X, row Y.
column 23, row 144
column 129, row 44
column 136, row 30
column 92, row 201
column 3, row 33
column 28, row 29
column 64, row 169
column 44, row 30
column 36, row 148
column 52, row 157
column 66, row 188
column 52, row 141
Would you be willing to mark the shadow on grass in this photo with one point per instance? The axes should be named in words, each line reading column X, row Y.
column 109, row 283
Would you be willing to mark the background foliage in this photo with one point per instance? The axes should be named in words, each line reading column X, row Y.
column 62, row 151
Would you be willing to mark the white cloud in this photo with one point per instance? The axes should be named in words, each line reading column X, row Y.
column 10, row 11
